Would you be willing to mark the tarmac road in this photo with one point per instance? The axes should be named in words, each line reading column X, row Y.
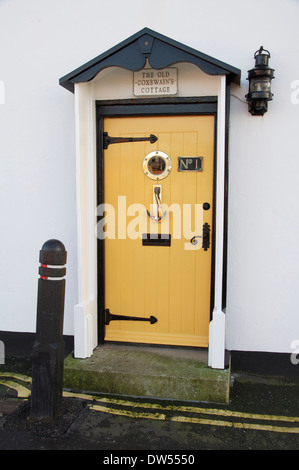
column 263, row 414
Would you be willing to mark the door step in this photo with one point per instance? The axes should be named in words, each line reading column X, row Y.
column 143, row 371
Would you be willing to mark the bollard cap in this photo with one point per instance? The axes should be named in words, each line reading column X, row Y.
column 53, row 245
column 53, row 252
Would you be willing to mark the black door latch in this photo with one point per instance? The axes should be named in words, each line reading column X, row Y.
column 205, row 237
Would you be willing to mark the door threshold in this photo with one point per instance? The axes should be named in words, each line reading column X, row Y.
column 148, row 371
column 183, row 352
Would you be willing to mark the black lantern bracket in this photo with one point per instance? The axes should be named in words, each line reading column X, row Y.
column 260, row 83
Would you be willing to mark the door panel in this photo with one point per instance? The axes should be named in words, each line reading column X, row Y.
column 171, row 283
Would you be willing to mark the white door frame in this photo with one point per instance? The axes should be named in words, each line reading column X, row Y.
column 85, row 312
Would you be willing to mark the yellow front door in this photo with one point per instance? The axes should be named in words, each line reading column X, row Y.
column 158, row 188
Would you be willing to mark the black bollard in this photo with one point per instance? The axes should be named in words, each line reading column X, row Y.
column 48, row 348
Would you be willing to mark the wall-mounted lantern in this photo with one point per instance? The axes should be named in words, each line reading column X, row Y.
column 260, row 83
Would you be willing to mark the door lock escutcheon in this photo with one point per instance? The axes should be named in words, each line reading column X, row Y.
column 205, row 237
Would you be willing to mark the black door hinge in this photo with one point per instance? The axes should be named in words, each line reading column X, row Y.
column 110, row 316
column 107, row 140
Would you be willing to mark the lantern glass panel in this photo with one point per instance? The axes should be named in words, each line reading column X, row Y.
column 258, row 84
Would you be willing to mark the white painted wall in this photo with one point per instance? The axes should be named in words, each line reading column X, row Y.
column 42, row 41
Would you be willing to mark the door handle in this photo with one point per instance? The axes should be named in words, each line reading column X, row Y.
column 159, row 215
column 205, row 237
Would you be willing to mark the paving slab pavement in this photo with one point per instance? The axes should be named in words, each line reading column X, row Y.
column 263, row 414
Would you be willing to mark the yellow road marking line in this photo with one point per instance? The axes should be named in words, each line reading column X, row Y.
column 129, row 413
column 24, row 378
column 23, row 392
column 187, row 419
column 190, row 409
column 256, row 426
column 84, row 396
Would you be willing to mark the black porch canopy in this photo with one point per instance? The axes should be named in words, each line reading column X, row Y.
column 160, row 51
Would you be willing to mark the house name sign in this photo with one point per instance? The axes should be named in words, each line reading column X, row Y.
column 152, row 82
